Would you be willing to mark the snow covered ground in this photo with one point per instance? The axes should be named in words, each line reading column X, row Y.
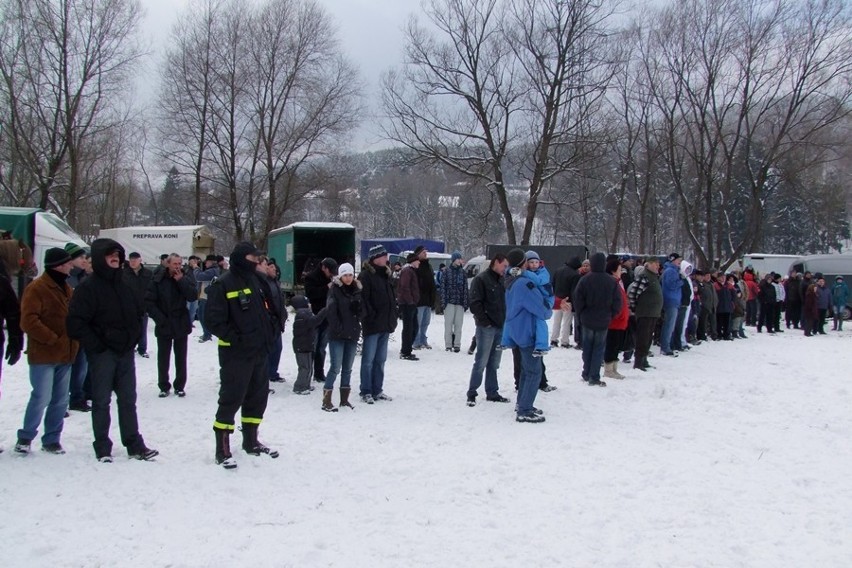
column 735, row 454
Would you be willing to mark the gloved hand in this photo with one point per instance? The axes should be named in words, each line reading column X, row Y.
column 13, row 349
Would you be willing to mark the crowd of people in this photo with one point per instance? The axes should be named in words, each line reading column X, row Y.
column 85, row 319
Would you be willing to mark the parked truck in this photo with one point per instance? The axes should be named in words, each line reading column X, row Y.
column 300, row 247
column 27, row 232
column 151, row 242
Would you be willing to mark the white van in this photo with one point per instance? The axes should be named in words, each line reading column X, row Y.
column 765, row 263
column 831, row 266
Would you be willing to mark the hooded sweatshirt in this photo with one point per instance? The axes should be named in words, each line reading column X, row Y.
column 597, row 299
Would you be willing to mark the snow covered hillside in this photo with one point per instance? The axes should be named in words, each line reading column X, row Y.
column 734, row 454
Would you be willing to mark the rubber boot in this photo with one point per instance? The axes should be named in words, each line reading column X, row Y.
column 609, row 370
column 326, row 401
column 615, row 372
column 223, row 449
column 344, row 398
column 251, row 445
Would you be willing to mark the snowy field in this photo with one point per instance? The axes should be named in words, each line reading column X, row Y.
column 735, row 454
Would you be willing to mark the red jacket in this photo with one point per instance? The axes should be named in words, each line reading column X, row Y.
column 752, row 286
column 620, row 321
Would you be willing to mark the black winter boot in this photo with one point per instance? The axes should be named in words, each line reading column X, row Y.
column 223, row 449
column 251, row 445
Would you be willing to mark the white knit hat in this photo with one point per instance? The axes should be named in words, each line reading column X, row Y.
column 345, row 269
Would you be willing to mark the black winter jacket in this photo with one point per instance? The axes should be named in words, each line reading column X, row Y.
column 344, row 311
column 10, row 311
column 316, row 288
column 305, row 329
column 104, row 312
column 276, row 308
column 379, row 313
column 426, row 283
column 488, row 299
column 564, row 278
column 138, row 281
column 165, row 301
column 236, row 311
column 767, row 293
column 597, row 298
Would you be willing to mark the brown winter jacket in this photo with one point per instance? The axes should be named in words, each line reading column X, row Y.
column 43, row 311
column 408, row 289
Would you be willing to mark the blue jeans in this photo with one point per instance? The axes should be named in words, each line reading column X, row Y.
column 50, row 392
column 273, row 360
column 669, row 321
column 79, row 370
column 424, row 316
column 594, row 343
column 193, row 309
column 202, row 307
column 342, row 355
column 374, row 352
column 529, row 381
column 487, row 359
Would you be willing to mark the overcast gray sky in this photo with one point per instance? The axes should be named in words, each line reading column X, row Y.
column 370, row 32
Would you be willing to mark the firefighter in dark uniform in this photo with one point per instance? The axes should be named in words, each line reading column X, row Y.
column 238, row 314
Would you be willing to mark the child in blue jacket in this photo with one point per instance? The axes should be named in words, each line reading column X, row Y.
column 540, row 278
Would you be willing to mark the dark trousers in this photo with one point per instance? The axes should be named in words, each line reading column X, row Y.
column 244, row 385
column 644, row 335
column 751, row 312
column 273, row 360
column 820, row 322
column 766, row 317
column 114, row 372
column 81, row 388
column 409, row 327
column 164, row 354
column 319, row 351
column 706, row 325
column 793, row 314
column 517, row 368
column 723, row 325
column 614, row 341
column 303, row 375
column 142, row 346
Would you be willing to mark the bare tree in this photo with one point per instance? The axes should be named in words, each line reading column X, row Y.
column 64, row 64
column 186, row 83
column 738, row 85
column 303, row 96
column 502, row 76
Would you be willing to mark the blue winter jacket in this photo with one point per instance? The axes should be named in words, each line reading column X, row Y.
column 824, row 298
column 525, row 308
column 671, row 284
column 839, row 295
column 454, row 287
column 542, row 279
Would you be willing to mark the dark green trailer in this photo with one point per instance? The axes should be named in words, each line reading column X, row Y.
column 300, row 247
